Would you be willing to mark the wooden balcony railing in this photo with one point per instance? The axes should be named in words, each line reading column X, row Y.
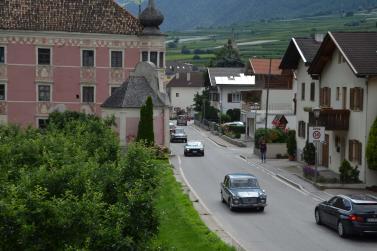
column 331, row 119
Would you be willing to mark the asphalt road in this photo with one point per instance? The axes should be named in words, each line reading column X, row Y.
column 287, row 222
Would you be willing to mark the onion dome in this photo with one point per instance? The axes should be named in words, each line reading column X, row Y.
column 151, row 18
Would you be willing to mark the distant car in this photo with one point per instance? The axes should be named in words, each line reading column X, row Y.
column 351, row 214
column 171, row 127
column 182, row 120
column 178, row 135
column 194, row 148
column 242, row 190
column 234, row 123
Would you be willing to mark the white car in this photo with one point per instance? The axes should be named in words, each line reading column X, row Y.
column 234, row 123
column 194, row 148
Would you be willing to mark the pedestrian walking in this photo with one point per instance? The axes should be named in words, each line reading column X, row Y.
column 263, row 150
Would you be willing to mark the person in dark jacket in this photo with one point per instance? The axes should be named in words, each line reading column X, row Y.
column 263, row 150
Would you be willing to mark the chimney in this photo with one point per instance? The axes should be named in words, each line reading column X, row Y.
column 188, row 76
column 318, row 37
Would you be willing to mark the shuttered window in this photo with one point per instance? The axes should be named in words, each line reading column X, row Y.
column 356, row 99
column 325, row 97
column 229, row 97
column 116, row 59
column 301, row 129
column 355, row 151
column 312, row 91
column 303, row 91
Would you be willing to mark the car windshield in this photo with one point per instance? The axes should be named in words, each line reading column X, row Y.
column 179, row 130
column 244, row 183
column 365, row 208
column 194, row 144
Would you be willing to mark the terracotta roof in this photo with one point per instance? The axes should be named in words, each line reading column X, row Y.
column 299, row 48
column 262, row 66
column 84, row 16
column 358, row 48
column 196, row 80
column 133, row 94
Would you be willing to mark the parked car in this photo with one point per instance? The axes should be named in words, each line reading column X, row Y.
column 242, row 190
column 182, row 120
column 171, row 127
column 351, row 214
column 178, row 135
column 234, row 123
column 194, row 148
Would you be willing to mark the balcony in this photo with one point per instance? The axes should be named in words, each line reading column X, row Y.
column 331, row 119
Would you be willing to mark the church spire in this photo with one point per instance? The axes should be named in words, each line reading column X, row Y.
column 151, row 18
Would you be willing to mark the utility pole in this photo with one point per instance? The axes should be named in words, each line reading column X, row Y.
column 268, row 94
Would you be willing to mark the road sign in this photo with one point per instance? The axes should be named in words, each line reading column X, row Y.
column 316, row 134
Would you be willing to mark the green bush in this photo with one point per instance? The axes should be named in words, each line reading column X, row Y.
column 291, row 143
column 271, row 135
column 372, row 147
column 225, row 118
column 309, row 153
column 69, row 188
column 234, row 114
column 348, row 174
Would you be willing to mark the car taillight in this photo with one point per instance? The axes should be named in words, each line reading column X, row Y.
column 356, row 218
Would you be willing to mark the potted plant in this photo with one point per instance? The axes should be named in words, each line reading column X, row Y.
column 291, row 145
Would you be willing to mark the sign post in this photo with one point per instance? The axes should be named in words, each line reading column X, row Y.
column 316, row 136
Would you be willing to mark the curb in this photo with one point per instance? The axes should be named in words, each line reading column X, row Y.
column 289, row 181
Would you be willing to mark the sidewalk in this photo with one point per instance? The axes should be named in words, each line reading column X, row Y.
column 288, row 171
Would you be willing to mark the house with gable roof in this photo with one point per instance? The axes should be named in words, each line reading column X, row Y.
column 297, row 59
column 70, row 55
column 346, row 68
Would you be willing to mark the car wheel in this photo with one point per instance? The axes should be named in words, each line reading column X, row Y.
column 317, row 217
column 203, row 154
column 185, row 140
column 261, row 209
column 341, row 230
column 222, row 197
column 230, row 205
column 185, row 153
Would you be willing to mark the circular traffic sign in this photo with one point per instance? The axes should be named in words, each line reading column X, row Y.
column 316, row 135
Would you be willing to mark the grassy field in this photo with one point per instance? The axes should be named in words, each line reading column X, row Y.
column 180, row 225
column 280, row 30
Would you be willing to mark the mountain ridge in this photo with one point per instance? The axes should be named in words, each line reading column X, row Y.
column 186, row 15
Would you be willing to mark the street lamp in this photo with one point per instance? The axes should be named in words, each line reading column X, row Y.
column 317, row 113
column 255, row 117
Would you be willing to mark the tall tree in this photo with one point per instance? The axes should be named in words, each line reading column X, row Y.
column 228, row 56
column 145, row 129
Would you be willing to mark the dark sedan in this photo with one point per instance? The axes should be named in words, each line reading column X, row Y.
column 194, row 148
column 352, row 214
column 241, row 190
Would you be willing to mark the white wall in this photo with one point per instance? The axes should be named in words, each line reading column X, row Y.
column 186, row 96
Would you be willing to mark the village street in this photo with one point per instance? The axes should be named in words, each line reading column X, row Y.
column 287, row 222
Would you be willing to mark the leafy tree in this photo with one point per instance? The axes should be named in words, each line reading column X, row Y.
column 145, row 129
column 234, row 114
column 372, row 147
column 228, row 56
column 291, row 143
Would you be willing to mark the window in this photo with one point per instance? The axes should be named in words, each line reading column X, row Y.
column 42, row 123
column 325, row 97
column 2, row 55
column 337, row 93
column 161, row 60
column 88, row 58
column 113, row 89
column 44, row 56
column 144, row 56
column 234, row 97
column 177, row 95
column 44, row 93
column 116, row 59
column 153, row 58
column 312, row 91
column 88, row 94
column 303, row 91
column 2, row 92
column 341, row 59
column 356, row 99
column 355, row 151
column 301, row 129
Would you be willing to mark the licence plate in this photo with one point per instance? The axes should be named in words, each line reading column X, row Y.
column 194, row 151
column 372, row 220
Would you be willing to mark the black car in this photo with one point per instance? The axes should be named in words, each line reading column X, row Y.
column 351, row 214
column 194, row 148
column 242, row 190
column 178, row 135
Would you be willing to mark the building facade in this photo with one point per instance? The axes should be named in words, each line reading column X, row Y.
column 69, row 55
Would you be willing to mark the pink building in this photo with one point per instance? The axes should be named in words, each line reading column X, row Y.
column 69, row 54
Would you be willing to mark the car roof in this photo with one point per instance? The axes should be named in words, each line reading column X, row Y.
column 360, row 198
column 241, row 175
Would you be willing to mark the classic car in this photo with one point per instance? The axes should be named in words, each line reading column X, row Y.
column 348, row 214
column 178, row 135
column 194, row 148
column 182, row 120
column 242, row 190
